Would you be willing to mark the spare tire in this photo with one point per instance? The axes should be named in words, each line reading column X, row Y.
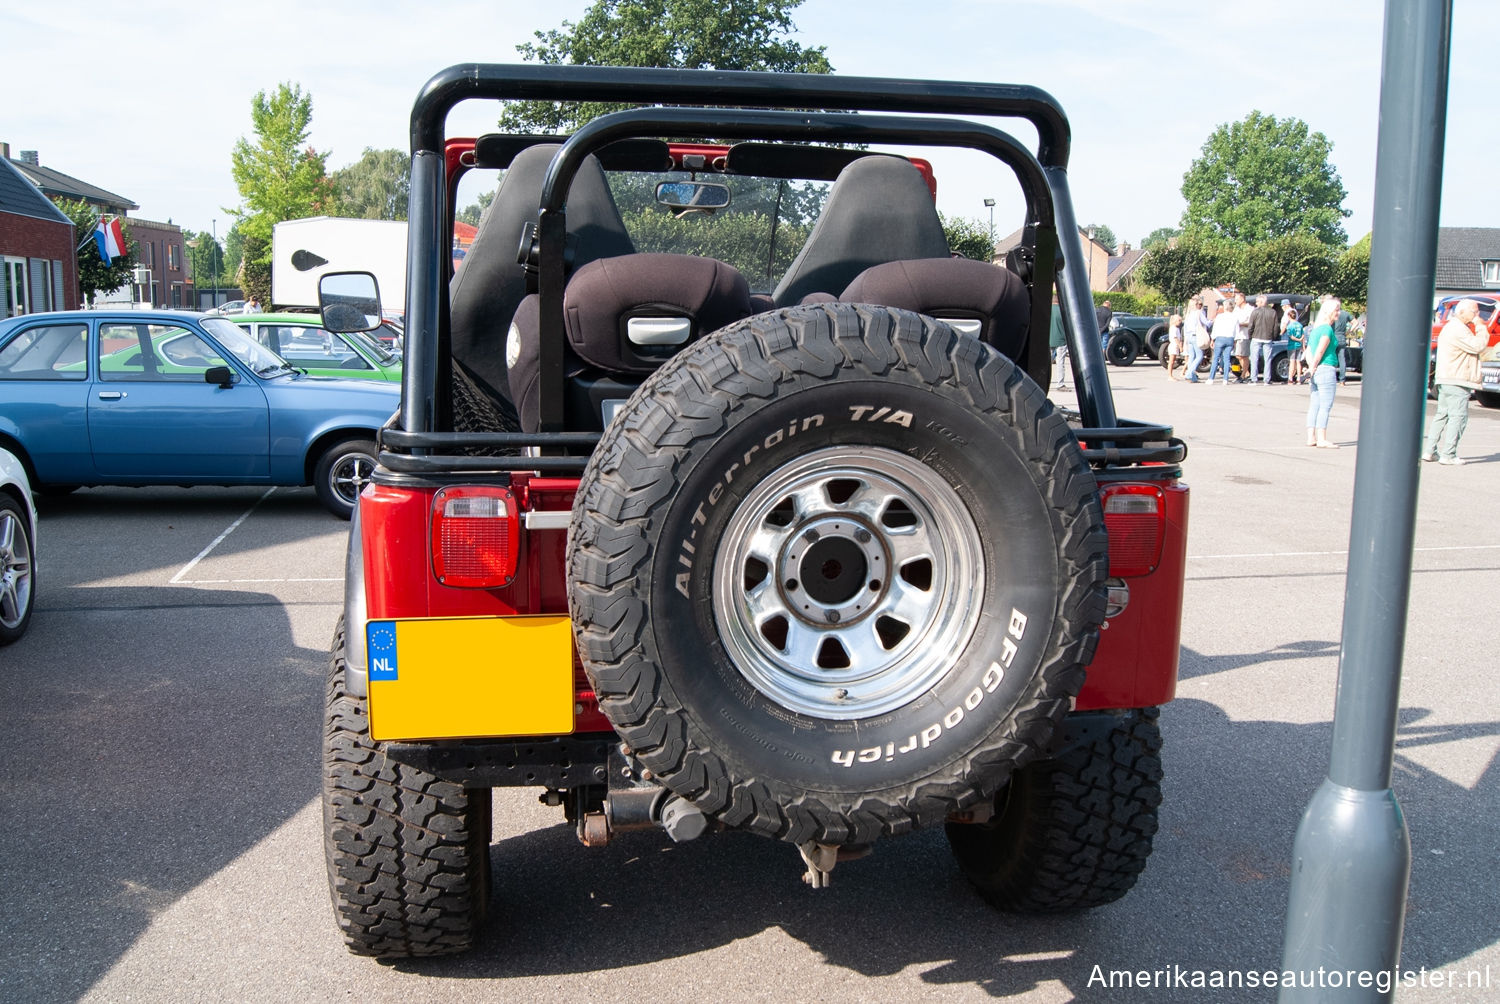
column 836, row 572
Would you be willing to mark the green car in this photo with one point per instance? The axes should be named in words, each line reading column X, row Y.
column 302, row 341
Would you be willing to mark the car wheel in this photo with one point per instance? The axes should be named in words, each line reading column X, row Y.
column 1488, row 399
column 1122, row 349
column 342, row 473
column 407, row 852
column 1281, row 368
column 17, row 573
column 1156, row 341
column 788, row 584
column 1074, row 831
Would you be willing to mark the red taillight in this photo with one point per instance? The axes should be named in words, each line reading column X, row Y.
column 475, row 537
column 1136, row 518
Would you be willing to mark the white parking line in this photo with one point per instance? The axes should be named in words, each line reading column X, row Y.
column 1310, row 554
column 178, row 580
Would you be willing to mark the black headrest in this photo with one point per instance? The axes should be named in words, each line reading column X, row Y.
column 879, row 210
column 960, row 290
column 489, row 285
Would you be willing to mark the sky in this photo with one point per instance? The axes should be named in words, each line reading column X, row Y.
column 1144, row 83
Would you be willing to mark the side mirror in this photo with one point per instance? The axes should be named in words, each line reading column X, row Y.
column 704, row 196
column 221, row 375
column 350, row 301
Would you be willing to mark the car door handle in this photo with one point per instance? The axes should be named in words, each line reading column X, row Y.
column 111, row 395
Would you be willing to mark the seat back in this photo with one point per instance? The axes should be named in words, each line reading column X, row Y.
column 986, row 301
column 879, row 210
column 491, row 283
column 624, row 317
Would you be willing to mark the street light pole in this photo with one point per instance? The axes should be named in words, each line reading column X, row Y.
column 990, row 204
column 215, row 266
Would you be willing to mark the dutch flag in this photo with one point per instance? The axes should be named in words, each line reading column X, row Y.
column 110, row 240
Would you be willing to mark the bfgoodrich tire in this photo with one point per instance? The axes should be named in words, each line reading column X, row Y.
column 407, row 852
column 1073, row 831
column 341, row 474
column 837, row 571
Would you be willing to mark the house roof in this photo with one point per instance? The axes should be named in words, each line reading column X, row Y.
column 1122, row 265
column 56, row 185
column 1460, row 255
column 22, row 198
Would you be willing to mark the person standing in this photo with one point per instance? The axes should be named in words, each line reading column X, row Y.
column 1263, row 330
column 1293, row 346
column 1457, row 373
column 1341, row 337
column 1104, row 313
column 1058, row 341
column 1225, row 324
column 1242, row 311
column 1323, row 361
column 1174, row 344
column 1195, row 337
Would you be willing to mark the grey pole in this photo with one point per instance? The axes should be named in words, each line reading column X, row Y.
column 1352, row 858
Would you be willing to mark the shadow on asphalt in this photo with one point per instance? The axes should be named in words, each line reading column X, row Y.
column 130, row 774
column 1238, row 788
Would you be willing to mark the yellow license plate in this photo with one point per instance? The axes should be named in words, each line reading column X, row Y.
column 470, row 677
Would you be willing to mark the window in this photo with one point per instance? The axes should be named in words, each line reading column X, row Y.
column 13, row 284
column 148, row 253
column 174, row 256
column 47, row 352
column 1492, row 271
column 154, row 352
column 310, row 348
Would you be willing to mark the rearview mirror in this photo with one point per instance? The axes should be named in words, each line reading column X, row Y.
column 693, row 195
column 350, row 301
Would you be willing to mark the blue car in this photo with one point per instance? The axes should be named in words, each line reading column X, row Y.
column 178, row 398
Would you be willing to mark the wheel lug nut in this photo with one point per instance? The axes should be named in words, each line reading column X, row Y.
column 832, row 616
column 862, row 535
column 811, row 536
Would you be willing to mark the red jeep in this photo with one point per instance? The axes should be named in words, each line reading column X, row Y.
column 722, row 497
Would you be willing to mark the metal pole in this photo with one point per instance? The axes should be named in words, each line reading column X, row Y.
column 1352, row 856
column 216, row 264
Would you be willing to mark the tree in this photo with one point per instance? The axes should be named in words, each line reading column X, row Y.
column 691, row 34
column 279, row 177
column 374, row 187
column 1351, row 273
column 1294, row 263
column 1194, row 262
column 93, row 275
column 255, row 269
column 207, row 258
column 969, row 237
column 474, row 211
column 1103, row 236
column 1160, row 236
column 1265, row 177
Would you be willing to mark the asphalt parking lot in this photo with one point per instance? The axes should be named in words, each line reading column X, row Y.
column 159, row 744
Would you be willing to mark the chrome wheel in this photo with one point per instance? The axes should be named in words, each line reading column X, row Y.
column 349, row 475
column 15, row 570
column 846, row 581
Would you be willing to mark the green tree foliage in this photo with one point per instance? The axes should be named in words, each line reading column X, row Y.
column 1294, row 263
column 375, row 187
column 474, row 211
column 279, row 176
column 1193, row 263
column 234, row 251
column 691, row 34
column 1351, row 273
column 1265, row 177
column 1160, row 236
column 740, row 239
column 969, row 237
column 207, row 256
column 255, row 269
column 93, row 275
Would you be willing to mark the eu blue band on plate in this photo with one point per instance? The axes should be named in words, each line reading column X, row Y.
column 380, row 642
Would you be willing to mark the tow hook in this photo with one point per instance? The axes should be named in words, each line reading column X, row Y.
column 633, row 801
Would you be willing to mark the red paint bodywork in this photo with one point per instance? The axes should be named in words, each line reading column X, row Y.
column 1135, row 665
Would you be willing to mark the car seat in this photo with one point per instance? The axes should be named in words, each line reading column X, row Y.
column 975, row 297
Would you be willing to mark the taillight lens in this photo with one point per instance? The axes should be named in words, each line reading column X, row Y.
column 475, row 537
column 1135, row 517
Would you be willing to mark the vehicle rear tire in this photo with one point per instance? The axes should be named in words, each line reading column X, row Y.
column 1122, row 349
column 1156, row 342
column 17, row 570
column 1074, row 831
column 1281, row 368
column 407, row 852
column 1488, row 399
column 836, row 572
column 342, row 473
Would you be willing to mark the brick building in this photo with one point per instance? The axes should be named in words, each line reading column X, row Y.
column 38, row 270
